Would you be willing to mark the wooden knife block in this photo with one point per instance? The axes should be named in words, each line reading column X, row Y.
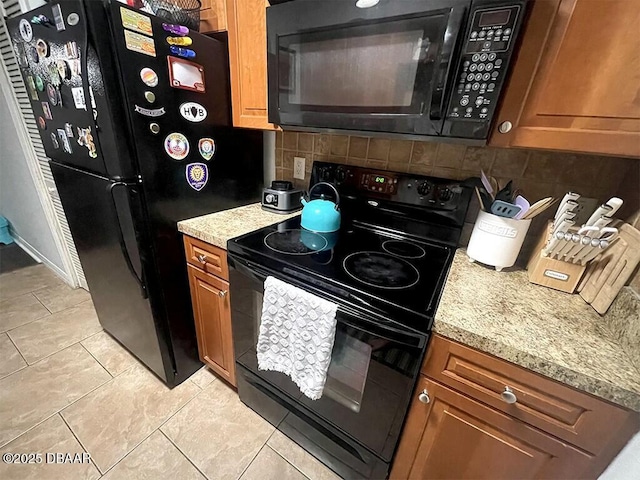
column 548, row 272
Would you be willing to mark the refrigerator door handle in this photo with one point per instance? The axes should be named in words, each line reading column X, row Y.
column 123, row 245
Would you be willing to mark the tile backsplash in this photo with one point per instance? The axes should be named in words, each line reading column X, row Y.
column 537, row 173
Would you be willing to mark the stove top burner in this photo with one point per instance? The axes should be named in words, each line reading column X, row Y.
column 403, row 249
column 295, row 242
column 381, row 270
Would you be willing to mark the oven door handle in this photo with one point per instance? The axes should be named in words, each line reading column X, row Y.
column 443, row 65
column 372, row 326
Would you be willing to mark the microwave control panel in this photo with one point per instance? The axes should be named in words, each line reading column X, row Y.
column 485, row 54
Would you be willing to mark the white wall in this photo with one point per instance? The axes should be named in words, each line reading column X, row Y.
column 626, row 466
column 19, row 200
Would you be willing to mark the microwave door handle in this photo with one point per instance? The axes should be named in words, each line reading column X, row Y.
column 443, row 66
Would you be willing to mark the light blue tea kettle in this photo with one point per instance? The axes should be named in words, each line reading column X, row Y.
column 321, row 215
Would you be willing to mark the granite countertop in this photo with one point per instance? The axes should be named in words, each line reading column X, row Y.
column 217, row 228
column 549, row 332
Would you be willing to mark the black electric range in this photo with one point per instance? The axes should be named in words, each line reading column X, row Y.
column 385, row 269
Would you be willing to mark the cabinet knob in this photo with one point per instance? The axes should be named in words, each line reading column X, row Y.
column 222, row 293
column 505, row 127
column 424, row 396
column 202, row 258
column 508, row 396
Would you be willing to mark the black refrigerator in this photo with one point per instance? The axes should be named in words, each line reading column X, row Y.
column 134, row 113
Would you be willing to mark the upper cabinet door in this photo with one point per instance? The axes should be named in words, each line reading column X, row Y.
column 247, row 27
column 575, row 84
column 213, row 16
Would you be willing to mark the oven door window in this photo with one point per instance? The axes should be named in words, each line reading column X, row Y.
column 373, row 68
column 370, row 377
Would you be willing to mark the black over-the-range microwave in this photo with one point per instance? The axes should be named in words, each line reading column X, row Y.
column 411, row 67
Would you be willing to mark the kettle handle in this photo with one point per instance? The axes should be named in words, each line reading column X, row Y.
column 330, row 185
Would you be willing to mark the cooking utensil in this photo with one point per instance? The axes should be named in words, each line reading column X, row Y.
column 555, row 239
column 559, row 221
column 584, row 241
column 569, row 196
column 606, row 277
column 615, row 203
column 598, row 213
column 505, row 209
column 506, row 193
column 572, row 241
column 538, row 207
column 484, row 198
column 596, row 246
column 321, row 215
column 568, row 207
column 523, row 204
column 488, row 185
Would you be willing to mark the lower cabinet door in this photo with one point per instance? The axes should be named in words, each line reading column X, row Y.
column 448, row 435
column 212, row 314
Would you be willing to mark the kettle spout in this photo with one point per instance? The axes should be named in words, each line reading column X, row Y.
column 303, row 201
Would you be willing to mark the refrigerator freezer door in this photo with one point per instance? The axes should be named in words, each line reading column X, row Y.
column 55, row 66
column 98, row 226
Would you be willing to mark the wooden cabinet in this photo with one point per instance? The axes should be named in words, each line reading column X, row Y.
column 574, row 84
column 464, row 424
column 247, row 27
column 209, row 285
column 213, row 16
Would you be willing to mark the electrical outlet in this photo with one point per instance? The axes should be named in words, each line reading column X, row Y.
column 298, row 167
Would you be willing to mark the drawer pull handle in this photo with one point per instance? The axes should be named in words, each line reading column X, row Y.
column 424, row 396
column 508, row 396
column 222, row 293
column 202, row 258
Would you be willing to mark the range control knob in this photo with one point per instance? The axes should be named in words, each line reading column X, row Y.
column 445, row 194
column 326, row 174
column 424, row 188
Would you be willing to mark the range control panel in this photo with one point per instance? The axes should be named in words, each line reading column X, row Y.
column 432, row 192
column 484, row 57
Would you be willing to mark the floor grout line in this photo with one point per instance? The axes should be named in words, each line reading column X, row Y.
column 40, row 301
column 48, row 314
column 286, row 460
column 92, row 356
column 252, row 460
column 17, row 349
column 81, row 444
column 182, row 453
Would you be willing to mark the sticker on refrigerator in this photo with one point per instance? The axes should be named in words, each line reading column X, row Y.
column 73, row 19
column 42, row 124
column 54, row 140
column 47, row 111
column 149, row 77
column 58, row 19
column 31, row 86
column 21, row 55
column 150, row 112
column 85, row 139
column 42, row 48
column 54, row 74
column 206, row 147
column 135, row 21
column 52, row 94
column 33, row 55
column 26, row 31
column 186, row 75
column 139, row 43
column 78, row 98
column 63, row 69
column 75, row 67
column 64, row 140
column 71, row 49
column 192, row 111
column 176, row 145
column 197, row 175
column 68, row 128
column 39, row 83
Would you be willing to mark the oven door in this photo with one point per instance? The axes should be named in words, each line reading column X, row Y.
column 386, row 68
column 372, row 373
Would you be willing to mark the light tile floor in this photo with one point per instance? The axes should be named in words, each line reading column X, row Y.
column 67, row 387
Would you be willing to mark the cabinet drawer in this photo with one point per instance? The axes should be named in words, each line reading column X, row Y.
column 208, row 257
column 575, row 417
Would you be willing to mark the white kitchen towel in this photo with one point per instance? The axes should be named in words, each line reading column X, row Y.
column 296, row 336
